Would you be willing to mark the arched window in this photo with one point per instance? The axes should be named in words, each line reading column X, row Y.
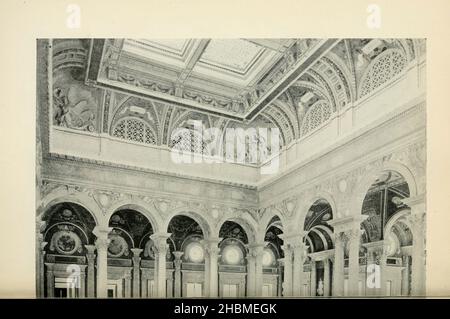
column 383, row 68
column 317, row 114
column 134, row 129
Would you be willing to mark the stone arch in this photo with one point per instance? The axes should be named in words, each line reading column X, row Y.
column 291, row 114
column 265, row 220
column 201, row 218
column 317, row 115
column 79, row 198
column 321, row 236
column 344, row 72
column 121, row 129
column 300, row 215
column 140, row 206
column 360, row 191
column 247, row 223
column 397, row 216
column 119, row 114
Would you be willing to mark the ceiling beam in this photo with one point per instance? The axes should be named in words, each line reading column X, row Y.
column 301, row 66
column 269, row 44
column 192, row 60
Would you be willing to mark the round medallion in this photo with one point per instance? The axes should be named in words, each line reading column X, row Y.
column 194, row 252
column 117, row 246
column 232, row 255
column 66, row 242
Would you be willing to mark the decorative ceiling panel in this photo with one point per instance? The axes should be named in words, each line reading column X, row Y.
column 232, row 78
column 234, row 55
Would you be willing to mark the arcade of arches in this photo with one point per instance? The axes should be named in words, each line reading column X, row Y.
column 344, row 215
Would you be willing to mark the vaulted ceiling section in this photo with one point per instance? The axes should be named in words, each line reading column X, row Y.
column 142, row 90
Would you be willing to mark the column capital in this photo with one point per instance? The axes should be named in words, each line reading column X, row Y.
column 353, row 233
column 211, row 245
column 256, row 249
column 321, row 255
column 293, row 238
column 160, row 236
column 136, row 252
column 374, row 246
column 102, row 241
column 100, row 231
column 178, row 254
column 346, row 223
column 177, row 262
column 159, row 241
column 90, row 249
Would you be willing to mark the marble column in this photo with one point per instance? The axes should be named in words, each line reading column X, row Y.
column 212, row 248
column 353, row 236
column 279, row 277
column 90, row 257
column 40, row 268
column 207, row 273
column 405, row 276
column 136, row 271
column 346, row 230
column 256, row 250
column 82, row 288
column 370, row 262
column 251, row 271
column 338, row 271
column 299, row 254
column 287, row 281
column 101, row 244
column 417, row 223
column 382, row 260
column 127, row 283
column 313, row 278
column 326, row 277
column 160, row 248
column 50, row 281
column 177, row 275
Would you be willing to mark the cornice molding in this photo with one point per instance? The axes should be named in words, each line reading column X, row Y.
column 92, row 162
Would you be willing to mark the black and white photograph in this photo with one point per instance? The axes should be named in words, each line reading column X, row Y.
column 231, row 167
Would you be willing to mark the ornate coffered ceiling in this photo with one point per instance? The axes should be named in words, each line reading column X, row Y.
column 143, row 90
column 232, row 78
